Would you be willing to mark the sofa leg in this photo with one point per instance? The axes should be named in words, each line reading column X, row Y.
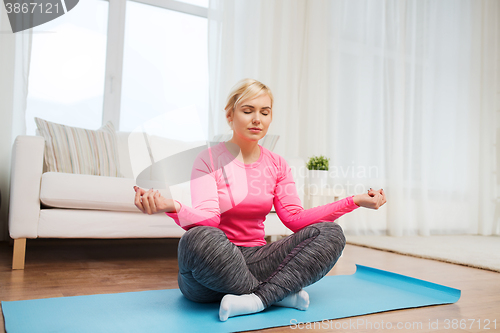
column 19, row 253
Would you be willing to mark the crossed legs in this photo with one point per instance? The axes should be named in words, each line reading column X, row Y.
column 210, row 267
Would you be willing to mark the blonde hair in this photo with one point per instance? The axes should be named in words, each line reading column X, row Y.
column 245, row 89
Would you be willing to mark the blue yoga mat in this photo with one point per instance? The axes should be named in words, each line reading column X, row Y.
column 369, row 290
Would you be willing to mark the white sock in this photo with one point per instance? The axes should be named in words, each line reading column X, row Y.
column 299, row 300
column 233, row 305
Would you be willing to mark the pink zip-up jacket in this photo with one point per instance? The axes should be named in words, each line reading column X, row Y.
column 236, row 197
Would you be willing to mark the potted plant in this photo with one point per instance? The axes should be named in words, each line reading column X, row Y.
column 318, row 171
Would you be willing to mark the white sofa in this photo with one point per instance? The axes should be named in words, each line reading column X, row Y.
column 63, row 205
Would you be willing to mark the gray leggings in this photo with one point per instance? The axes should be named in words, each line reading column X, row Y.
column 211, row 266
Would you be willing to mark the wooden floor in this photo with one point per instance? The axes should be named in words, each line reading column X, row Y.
column 56, row 268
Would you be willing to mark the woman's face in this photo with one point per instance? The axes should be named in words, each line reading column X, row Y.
column 252, row 114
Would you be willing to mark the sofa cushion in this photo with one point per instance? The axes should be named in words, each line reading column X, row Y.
column 162, row 147
column 145, row 149
column 66, row 190
column 105, row 224
column 80, row 151
column 131, row 145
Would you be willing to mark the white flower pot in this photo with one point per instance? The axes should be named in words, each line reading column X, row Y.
column 318, row 178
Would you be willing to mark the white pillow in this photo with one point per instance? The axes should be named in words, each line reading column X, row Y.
column 80, row 151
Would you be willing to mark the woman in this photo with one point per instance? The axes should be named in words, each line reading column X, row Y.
column 223, row 255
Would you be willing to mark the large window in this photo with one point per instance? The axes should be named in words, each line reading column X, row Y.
column 68, row 59
column 158, row 55
column 165, row 73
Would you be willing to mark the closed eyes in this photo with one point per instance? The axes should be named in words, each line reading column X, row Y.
column 265, row 114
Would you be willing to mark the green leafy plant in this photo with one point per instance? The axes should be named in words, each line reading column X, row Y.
column 318, row 163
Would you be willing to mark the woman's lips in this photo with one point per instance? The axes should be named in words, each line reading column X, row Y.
column 254, row 130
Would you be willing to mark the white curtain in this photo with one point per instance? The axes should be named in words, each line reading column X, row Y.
column 15, row 51
column 401, row 95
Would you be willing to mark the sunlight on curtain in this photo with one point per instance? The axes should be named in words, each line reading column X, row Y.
column 401, row 95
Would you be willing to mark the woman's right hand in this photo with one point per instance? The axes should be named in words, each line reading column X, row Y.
column 152, row 202
column 373, row 199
